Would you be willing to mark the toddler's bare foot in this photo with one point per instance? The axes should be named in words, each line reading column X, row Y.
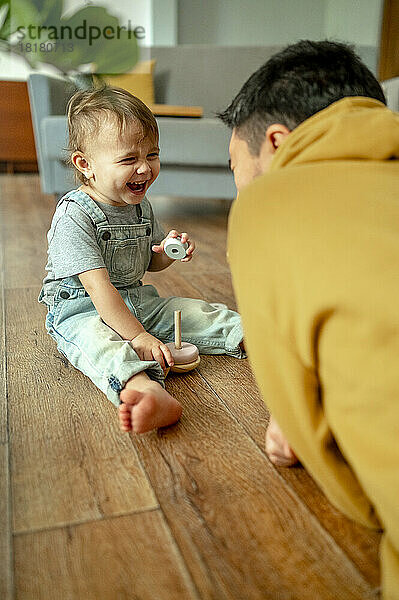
column 146, row 406
column 278, row 449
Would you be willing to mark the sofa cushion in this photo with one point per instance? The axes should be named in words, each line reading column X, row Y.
column 195, row 182
column 185, row 141
column 138, row 82
column 210, row 76
column 205, row 75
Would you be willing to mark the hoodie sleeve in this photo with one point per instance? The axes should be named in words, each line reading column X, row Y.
column 281, row 334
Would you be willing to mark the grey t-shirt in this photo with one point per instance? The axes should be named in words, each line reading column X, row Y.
column 72, row 242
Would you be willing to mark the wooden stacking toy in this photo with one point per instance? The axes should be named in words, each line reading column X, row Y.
column 185, row 355
column 174, row 248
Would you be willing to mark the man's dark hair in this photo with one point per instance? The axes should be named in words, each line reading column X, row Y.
column 296, row 83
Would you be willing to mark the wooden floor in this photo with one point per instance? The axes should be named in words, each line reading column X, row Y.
column 194, row 511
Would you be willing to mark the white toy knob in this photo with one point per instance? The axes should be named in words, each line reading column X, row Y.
column 174, row 248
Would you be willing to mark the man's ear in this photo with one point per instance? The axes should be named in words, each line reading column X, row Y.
column 276, row 134
column 274, row 137
column 82, row 164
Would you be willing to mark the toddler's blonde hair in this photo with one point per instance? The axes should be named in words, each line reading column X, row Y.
column 87, row 109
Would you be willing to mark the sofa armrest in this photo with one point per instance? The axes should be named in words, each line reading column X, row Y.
column 54, row 135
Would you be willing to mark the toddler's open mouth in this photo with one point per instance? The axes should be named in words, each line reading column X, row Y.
column 137, row 188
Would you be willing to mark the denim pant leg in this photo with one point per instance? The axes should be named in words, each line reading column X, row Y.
column 96, row 349
column 213, row 328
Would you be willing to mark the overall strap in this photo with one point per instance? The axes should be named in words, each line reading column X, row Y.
column 144, row 209
column 86, row 204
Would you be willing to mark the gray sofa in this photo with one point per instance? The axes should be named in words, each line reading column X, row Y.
column 194, row 152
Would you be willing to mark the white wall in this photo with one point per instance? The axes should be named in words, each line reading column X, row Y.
column 236, row 22
column 249, row 22
column 356, row 21
column 13, row 68
column 274, row 22
column 164, row 22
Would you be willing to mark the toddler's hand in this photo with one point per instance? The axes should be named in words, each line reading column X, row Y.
column 148, row 347
column 184, row 238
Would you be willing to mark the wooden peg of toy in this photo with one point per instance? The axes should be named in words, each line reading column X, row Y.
column 185, row 355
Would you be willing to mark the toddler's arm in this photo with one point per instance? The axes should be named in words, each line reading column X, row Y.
column 114, row 312
column 109, row 303
column 160, row 260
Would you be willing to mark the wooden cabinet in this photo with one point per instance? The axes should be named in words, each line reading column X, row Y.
column 389, row 46
column 17, row 145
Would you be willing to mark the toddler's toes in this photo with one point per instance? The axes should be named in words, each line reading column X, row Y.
column 125, row 418
column 129, row 397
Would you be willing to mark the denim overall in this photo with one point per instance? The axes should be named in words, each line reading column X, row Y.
column 97, row 350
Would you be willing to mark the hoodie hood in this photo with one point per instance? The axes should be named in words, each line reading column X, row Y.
column 354, row 128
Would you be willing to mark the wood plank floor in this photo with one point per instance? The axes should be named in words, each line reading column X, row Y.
column 190, row 512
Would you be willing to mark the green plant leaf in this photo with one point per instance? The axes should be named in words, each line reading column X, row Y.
column 4, row 19
column 119, row 56
column 83, row 38
column 50, row 11
column 98, row 20
column 22, row 14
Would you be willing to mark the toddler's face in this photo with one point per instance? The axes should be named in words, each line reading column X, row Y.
column 122, row 167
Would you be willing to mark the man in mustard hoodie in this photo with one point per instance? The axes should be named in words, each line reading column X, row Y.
column 314, row 253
